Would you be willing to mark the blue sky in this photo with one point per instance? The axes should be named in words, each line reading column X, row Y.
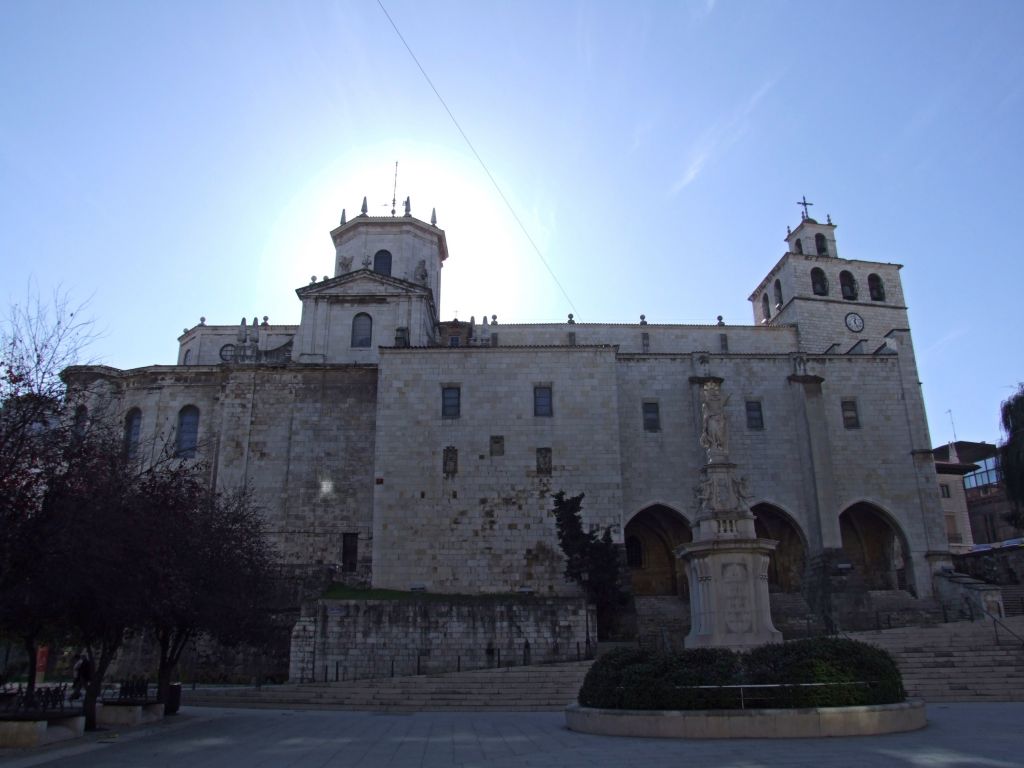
column 168, row 161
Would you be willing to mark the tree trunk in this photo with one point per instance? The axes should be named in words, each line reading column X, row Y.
column 92, row 695
column 95, row 686
column 31, row 648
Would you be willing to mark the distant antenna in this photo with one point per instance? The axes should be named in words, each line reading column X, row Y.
column 950, row 412
column 394, row 190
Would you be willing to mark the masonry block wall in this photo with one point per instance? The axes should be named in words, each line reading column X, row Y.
column 484, row 524
column 359, row 639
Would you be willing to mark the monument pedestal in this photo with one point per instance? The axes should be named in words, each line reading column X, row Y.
column 729, row 601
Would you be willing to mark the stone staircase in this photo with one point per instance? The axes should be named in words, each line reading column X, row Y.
column 533, row 688
column 959, row 661
column 1013, row 599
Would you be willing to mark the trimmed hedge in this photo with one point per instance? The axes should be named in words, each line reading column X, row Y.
column 638, row 679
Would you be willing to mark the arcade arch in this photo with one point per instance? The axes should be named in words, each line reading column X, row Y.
column 786, row 565
column 651, row 537
column 875, row 547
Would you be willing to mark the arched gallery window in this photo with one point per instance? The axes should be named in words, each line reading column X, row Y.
column 876, row 288
column 132, row 427
column 188, row 432
column 798, row 246
column 848, row 285
column 362, row 330
column 820, row 244
column 766, row 310
column 382, row 262
column 778, row 294
column 819, row 283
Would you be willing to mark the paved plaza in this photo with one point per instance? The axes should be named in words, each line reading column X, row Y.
column 985, row 734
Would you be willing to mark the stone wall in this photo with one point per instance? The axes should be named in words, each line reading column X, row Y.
column 484, row 524
column 356, row 639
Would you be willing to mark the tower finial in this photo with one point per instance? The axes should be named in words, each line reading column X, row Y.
column 408, row 207
column 433, row 216
column 342, row 216
column 364, row 208
column 805, row 204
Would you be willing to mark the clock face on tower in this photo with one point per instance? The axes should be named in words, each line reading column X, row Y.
column 855, row 322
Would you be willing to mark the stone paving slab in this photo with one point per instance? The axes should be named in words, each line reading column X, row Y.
column 958, row 735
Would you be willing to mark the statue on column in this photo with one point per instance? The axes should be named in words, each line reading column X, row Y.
column 714, row 438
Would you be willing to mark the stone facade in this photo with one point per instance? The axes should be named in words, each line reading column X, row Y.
column 397, row 451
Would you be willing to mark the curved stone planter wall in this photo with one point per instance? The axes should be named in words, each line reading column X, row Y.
column 749, row 723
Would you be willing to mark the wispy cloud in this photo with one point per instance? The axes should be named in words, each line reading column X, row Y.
column 947, row 338
column 720, row 137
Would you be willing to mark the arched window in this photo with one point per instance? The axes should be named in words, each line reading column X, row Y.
column 187, row 358
column 819, row 283
column 132, row 427
column 188, row 432
column 798, row 244
column 634, row 552
column 81, row 420
column 848, row 285
column 876, row 288
column 766, row 310
column 382, row 262
column 778, row 294
column 820, row 244
column 362, row 330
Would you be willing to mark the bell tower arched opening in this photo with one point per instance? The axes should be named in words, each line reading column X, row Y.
column 786, row 566
column 875, row 547
column 651, row 538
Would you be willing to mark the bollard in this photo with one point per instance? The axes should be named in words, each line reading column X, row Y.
column 392, row 666
column 526, row 653
column 336, row 670
column 577, row 650
column 498, row 651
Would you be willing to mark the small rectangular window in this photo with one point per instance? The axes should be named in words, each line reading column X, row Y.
column 542, row 405
column 755, row 416
column 645, row 341
column 652, row 417
column 451, row 402
column 451, row 461
column 851, row 419
column 349, row 552
column 494, row 339
column 944, row 490
column 497, row 445
column 723, row 342
column 543, row 461
column 572, row 338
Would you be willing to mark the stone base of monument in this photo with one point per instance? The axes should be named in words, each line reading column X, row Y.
column 870, row 720
column 729, row 601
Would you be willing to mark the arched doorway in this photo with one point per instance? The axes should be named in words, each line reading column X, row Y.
column 651, row 538
column 786, row 566
column 875, row 547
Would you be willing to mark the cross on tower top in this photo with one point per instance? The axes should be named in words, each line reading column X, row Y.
column 805, row 204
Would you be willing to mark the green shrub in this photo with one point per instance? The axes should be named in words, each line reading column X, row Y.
column 639, row 679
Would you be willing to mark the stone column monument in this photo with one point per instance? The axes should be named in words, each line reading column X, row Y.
column 728, row 564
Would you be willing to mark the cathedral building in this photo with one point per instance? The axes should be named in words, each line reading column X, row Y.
column 392, row 449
